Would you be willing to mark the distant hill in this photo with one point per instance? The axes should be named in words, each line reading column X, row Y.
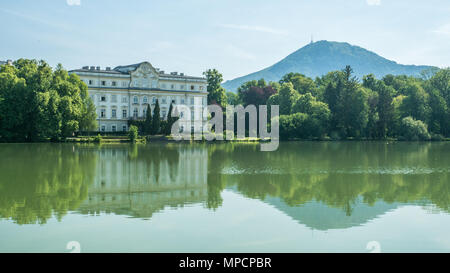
column 319, row 58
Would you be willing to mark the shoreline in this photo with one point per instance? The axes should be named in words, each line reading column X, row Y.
column 166, row 139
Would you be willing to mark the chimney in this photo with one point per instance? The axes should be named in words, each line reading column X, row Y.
column 98, row 67
column 161, row 72
column 174, row 73
column 181, row 74
column 92, row 68
column 108, row 68
column 86, row 67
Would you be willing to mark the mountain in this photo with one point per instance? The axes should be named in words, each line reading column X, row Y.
column 319, row 58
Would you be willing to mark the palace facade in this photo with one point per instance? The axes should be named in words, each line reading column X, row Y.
column 123, row 93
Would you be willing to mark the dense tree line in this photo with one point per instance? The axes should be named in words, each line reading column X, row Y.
column 153, row 124
column 37, row 102
column 339, row 106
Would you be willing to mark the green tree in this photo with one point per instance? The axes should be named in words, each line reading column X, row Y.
column 39, row 103
column 216, row 93
column 414, row 129
column 232, row 99
column 147, row 127
column 301, row 83
column 133, row 133
column 415, row 104
column 385, row 108
column 170, row 121
column 156, row 122
column 286, row 97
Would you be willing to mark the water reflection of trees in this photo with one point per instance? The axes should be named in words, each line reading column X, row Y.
column 337, row 174
column 41, row 180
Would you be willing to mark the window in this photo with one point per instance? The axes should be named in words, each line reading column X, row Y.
column 144, row 112
column 174, row 101
column 124, row 113
column 154, row 100
column 103, row 128
column 90, row 82
column 181, row 114
column 164, row 100
column 103, row 98
column 124, row 128
column 163, row 86
column 135, row 99
column 192, row 129
column 113, row 128
column 124, row 99
column 201, row 88
column 182, row 100
column 124, row 84
column 113, row 83
column 181, row 87
column 113, row 113
column 192, row 114
column 172, row 86
column 103, row 113
column 192, row 87
column 135, row 113
column 163, row 114
column 192, row 100
column 145, row 100
column 113, row 98
column 103, row 83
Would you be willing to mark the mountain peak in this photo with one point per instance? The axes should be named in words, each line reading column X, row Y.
column 318, row 58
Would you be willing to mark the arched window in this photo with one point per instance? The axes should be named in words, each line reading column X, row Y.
column 145, row 100
column 135, row 99
column 135, row 113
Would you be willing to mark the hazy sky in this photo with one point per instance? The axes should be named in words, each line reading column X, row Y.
column 235, row 36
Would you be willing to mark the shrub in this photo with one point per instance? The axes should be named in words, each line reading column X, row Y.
column 414, row 129
column 133, row 133
column 98, row 139
column 293, row 126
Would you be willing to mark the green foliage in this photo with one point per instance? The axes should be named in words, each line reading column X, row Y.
column 293, row 126
column 147, row 126
column 38, row 103
column 98, row 138
column 216, row 93
column 286, row 98
column 133, row 133
column 339, row 106
column 414, row 129
column 301, row 83
column 167, row 125
column 156, row 121
column 232, row 99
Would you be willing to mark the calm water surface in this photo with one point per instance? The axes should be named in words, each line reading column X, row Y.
column 305, row 197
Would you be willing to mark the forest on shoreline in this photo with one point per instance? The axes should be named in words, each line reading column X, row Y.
column 38, row 103
column 338, row 106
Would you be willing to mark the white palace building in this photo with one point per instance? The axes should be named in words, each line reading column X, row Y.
column 123, row 93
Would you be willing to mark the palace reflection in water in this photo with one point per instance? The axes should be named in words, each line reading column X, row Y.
column 140, row 180
column 322, row 185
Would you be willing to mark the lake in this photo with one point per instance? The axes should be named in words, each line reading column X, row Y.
column 226, row 197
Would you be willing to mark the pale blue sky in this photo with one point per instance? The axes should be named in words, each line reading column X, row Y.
column 235, row 36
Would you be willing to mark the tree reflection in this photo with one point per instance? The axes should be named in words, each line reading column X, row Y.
column 41, row 180
column 336, row 174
